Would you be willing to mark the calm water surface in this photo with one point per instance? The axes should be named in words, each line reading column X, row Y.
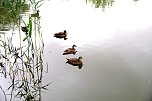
column 116, row 46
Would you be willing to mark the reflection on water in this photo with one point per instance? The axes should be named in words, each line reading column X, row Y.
column 10, row 11
column 101, row 3
column 115, row 46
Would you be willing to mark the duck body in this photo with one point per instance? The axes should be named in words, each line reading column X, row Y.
column 75, row 61
column 61, row 35
column 70, row 50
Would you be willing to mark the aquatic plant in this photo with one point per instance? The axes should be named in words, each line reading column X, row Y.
column 21, row 56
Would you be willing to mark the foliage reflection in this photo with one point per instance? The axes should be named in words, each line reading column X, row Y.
column 10, row 11
column 103, row 3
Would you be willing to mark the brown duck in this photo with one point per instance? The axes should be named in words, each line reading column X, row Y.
column 70, row 50
column 61, row 35
column 35, row 14
column 75, row 62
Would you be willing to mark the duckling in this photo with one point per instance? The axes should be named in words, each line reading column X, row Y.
column 61, row 35
column 35, row 14
column 24, row 29
column 75, row 62
column 70, row 50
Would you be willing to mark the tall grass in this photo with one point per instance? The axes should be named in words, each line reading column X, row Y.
column 21, row 58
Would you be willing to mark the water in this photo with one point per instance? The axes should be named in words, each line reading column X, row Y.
column 116, row 46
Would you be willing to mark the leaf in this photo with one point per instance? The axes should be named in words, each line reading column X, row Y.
column 30, row 27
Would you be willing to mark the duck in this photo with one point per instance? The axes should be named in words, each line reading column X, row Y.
column 70, row 50
column 24, row 29
column 75, row 62
column 35, row 14
column 61, row 35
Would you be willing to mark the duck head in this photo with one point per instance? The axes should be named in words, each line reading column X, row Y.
column 74, row 46
column 80, row 58
column 65, row 32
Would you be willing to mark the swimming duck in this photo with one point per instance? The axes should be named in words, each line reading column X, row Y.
column 35, row 14
column 24, row 29
column 61, row 35
column 70, row 50
column 75, row 62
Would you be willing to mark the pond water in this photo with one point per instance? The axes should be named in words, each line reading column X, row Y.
column 116, row 46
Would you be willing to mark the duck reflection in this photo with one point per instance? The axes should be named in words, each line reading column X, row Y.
column 75, row 62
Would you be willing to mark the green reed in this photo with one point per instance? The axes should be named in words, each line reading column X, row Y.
column 22, row 63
